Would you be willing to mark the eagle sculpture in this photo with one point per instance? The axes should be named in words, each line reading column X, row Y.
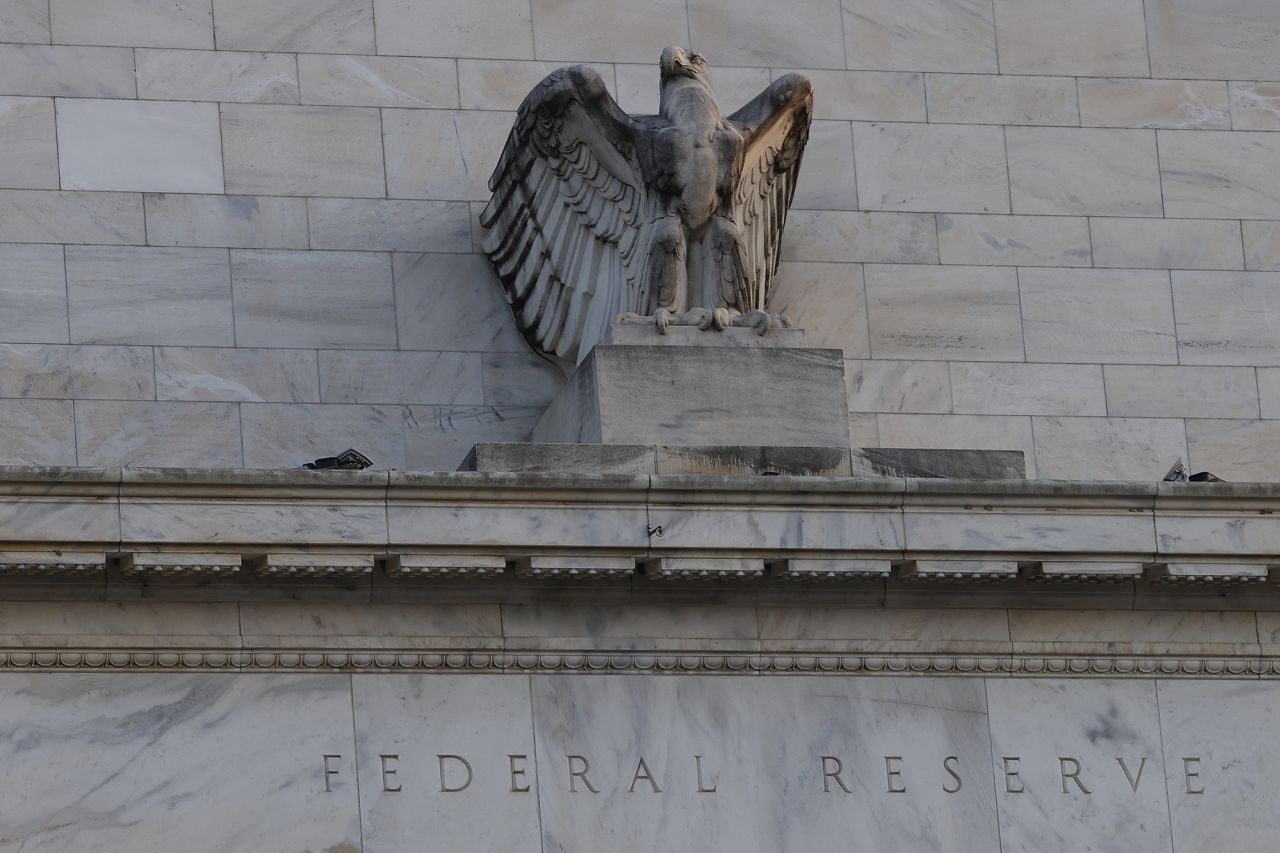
column 673, row 219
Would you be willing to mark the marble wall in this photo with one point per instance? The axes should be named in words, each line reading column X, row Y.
column 236, row 233
column 341, row 763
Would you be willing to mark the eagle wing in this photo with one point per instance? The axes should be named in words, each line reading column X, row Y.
column 777, row 125
column 569, row 214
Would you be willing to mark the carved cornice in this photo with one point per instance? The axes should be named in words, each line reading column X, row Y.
column 291, row 526
column 624, row 662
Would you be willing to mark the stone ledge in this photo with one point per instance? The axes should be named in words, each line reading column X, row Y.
column 309, row 525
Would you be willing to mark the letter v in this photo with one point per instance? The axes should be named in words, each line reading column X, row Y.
column 1133, row 780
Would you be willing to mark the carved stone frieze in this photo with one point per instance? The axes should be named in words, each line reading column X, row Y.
column 517, row 662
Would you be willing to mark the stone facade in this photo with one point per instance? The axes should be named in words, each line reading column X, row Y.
column 244, row 234
column 376, row 661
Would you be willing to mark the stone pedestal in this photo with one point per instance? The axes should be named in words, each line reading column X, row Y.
column 755, row 394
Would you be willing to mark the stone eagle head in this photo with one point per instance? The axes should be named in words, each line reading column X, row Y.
column 678, row 62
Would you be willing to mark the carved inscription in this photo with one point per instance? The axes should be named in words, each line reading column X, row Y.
column 455, row 774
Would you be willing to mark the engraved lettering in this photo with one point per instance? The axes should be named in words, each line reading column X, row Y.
column 388, row 772
column 445, row 787
column 518, row 771
column 642, row 772
column 1073, row 774
column 1011, row 775
column 702, row 786
column 948, row 764
column 1133, row 780
column 579, row 774
column 831, row 769
column 1190, row 775
column 329, row 771
column 893, row 774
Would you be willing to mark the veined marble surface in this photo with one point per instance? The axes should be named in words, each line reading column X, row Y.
column 107, row 762
column 579, row 763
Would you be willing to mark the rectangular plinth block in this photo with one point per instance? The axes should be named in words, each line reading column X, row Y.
column 703, row 568
column 445, row 565
column 957, row 570
column 182, row 564
column 698, row 395
column 1206, row 573
column 830, row 569
column 312, row 565
column 577, row 568
column 1081, row 571
column 642, row 334
column 51, row 562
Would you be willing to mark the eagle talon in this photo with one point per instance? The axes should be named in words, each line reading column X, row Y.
column 700, row 317
column 662, row 319
column 721, row 319
column 761, row 321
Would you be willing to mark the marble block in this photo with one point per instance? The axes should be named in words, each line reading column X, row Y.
column 33, row 288
column 1002, row 99
column 761, row 461
column 499, row 29
column 149, row 296
column 703, row 568
column 217, row 75
column 44, row 216
column 702, row 396
column 939, row 464
column 738, row 764
column 446, row 758
column 25, row 20
column 830, row 569
column 1078, row 766
column 133, row 23
column 1084, row 37
column 179, row 564
column 312, row 26
column 234, row 221
column 312, row 564
column 921, row 35
column 1214, row 772
column 52, row 562
column 149, row 146
column 607, row 30
column 117, row 761
column 27, row 136
column 66, row 71
column 576, row 568
column 445, row 565
column 957, row 570
column 378, row 81
column 1080, row 571
column 280, row 149
column 559, row 458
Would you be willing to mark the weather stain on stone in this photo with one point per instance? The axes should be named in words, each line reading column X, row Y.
column 343, row 847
